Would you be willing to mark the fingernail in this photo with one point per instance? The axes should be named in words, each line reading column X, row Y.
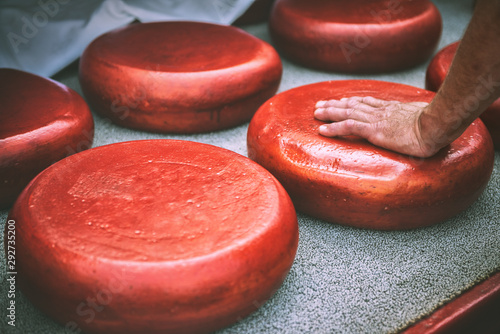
column 320, row 104
column 322, row 128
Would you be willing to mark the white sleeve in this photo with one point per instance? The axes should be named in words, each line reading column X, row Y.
column 44, row 36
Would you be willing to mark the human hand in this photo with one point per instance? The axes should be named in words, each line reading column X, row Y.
column 392, row 125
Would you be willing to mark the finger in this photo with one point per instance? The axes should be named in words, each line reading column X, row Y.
column 345, row 102
column 352, row 102
column 419, row 104
column 346, row 128
column 374, row 102
column 321, row 104
column 335, row 114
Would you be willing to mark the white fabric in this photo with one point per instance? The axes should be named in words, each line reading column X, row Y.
column 44, row 36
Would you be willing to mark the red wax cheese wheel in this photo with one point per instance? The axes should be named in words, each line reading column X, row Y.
column 436, row 73
column 161, row 236
column 179, row 77
column 41, row 122
column 356, row 36
column 349, row 181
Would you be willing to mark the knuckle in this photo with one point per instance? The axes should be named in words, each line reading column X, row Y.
column 368, row 99
column 350, row 124
column 352, row 102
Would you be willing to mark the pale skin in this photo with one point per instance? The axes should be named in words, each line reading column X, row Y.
column 421, row 129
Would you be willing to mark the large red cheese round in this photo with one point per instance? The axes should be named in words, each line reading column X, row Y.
column 435, row 75
column 356, row 36
column 182, row 77
column 159, row 236
column 349, row 181
column 41, row 122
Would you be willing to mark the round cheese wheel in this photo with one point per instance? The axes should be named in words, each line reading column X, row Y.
column 41, row 122
column 157, row 236
column 179, row 77
column 435, row 75
column 356, row 36
column 349, row 181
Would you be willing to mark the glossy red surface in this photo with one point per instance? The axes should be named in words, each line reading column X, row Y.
column 356, row 36
column 349, row 181
column 435, row 75
column 165, row 236
column 474, row 311
column 179, row 76
column 41, row 122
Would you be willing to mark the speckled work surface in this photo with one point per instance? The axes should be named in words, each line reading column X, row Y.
column 344, row 279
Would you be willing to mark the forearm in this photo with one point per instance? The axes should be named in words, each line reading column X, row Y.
column 473, row 81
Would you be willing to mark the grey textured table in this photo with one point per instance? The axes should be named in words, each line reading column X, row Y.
column 343, row 279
